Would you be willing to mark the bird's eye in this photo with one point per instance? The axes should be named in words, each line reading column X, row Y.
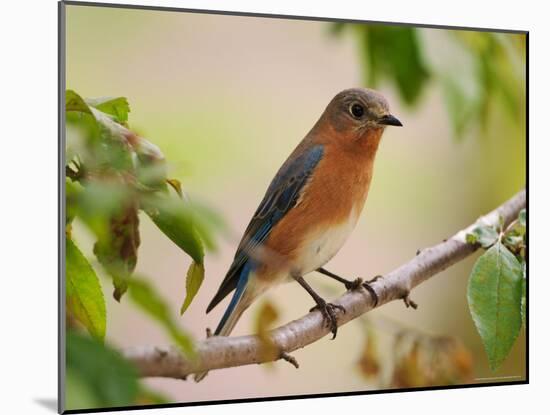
column 357, row 110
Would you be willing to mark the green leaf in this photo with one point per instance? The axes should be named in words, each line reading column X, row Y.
column 522, row 217
column 78, row 393
column 461, row 108
column 72, row 190
column 117, row 107
column 175, row 220
column 513, row 242
column 149, row 300
column 106, row 140
column 337, row 28
column 484, row 235
column 494, row 298
column 195, row 276
column 84, row 295
column 74, row 102
column 109, row 211
column 101, row 373
column 96, row 202
column 523, row 298
column 404, row 66
column 176, row 185
column 150, row 397
column 207, row 222
column 117, row 249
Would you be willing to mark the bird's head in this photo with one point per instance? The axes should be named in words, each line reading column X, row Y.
column 357, row 114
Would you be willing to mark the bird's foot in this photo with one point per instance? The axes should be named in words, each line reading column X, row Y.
column 408, row 302
column 367, row 286
column 353, row 285
column 290, row 359
column 329, row 314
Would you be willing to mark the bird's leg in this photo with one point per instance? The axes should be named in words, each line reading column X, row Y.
column 355, row 284
column 326, row 309
column 350, row 285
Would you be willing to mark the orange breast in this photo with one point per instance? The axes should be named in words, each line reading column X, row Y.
column 336, row 191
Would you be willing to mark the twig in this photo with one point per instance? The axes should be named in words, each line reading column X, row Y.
column 223, row 352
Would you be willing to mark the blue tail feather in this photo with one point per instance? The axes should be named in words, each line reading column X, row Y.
column 241, row 285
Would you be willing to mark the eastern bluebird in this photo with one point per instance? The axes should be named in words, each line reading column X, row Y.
column 310, row 207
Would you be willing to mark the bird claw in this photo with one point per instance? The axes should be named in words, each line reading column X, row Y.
column 353, row 285
column 329, row 315
column 408, row 302
column 290, row 359
column 358, row 282
column 367, row 285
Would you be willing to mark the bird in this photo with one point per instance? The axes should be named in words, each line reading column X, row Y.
column 310, row 207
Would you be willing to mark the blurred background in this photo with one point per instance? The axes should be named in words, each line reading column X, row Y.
column 227, row 98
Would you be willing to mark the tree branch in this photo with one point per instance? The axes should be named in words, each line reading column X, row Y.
column 224, row 352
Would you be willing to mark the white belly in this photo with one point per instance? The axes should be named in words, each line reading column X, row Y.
column 322, row 245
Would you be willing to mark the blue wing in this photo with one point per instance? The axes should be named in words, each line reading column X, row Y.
column 281, row 196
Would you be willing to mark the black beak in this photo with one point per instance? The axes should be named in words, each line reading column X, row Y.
column 389, row 120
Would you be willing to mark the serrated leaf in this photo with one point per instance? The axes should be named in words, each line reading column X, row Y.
column 195, row 277
column 84, row 299
column 149, row 300
column 175, row 220
column 494, row 298
column 105, row 375
column 484, row 235
column 118, row 107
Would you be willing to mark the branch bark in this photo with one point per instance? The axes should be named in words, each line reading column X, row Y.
column 223, row 352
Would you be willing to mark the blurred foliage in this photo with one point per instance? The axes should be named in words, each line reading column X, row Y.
column 266, row 317
column 147, row 298
column 404, row 66
column 417, row 359
column 491, row 78
column 429, row 361
column 369, row 363
column 97, row 375
column 400, row 56
column 112, row 174
column 496, row 288
column 121, row 173
column 147, row 396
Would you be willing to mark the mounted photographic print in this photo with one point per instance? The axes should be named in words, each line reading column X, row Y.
column 259, row 207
